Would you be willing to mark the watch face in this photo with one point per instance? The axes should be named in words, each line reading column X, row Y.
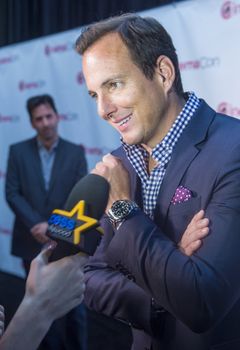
column 121, row 209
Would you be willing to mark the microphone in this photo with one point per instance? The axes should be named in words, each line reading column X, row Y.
column 76, row 227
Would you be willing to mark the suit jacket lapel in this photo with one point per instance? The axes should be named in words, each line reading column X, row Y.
column 59, row 158
column 35, row 162
column 186, row 150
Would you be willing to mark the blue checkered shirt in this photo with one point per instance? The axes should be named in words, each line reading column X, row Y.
column 162, row 153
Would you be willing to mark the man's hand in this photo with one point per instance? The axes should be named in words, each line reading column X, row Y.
column 52, row 289
column 39, row 232
column 197, row 230
column 114, row 172
column 57, row 286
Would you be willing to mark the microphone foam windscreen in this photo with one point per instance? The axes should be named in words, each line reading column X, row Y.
column 94, row 190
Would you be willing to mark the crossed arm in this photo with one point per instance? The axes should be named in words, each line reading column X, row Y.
column 207, row 280
column 109, row 289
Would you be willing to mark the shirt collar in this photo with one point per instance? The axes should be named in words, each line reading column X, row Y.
column 173, row 134
column 52, row 148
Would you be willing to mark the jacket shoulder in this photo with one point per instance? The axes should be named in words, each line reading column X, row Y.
column 71, row 145
column 227, row 128
column 23, row 144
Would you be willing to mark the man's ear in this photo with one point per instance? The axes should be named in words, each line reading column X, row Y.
column 166, row 72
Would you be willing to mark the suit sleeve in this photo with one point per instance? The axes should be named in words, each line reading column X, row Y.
column 198, row 290
column 14, row 197
column 81, row 168
column 111, row 291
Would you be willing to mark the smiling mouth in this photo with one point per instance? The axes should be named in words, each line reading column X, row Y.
column 124, row 121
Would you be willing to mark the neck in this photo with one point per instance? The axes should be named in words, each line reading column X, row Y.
column 48, row 143
column 176, row 104
column 151, row 163
column 173, row 109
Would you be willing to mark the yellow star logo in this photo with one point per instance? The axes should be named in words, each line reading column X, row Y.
column 78, row 211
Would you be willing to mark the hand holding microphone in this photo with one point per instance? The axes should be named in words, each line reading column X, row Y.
column 52, row 290
column 76, row 228
column 112, row 169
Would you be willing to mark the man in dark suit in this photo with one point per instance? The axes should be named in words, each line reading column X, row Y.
column 177, row 156
column 40, row 175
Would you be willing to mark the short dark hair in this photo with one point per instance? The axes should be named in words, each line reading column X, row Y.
column 145, row 38
column 38, row 100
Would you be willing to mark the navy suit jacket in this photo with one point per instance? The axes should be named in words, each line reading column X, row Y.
column 141, row 260
column 25, row 189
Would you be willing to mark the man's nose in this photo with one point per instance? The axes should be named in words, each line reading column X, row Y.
column 105, row 107
column 45, row 121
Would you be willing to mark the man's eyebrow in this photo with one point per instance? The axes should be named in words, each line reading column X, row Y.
column 107, row 81
column 114, row 77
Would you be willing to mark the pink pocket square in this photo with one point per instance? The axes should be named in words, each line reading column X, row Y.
column 182, row 194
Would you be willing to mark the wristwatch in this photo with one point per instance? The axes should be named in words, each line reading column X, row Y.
column 121, row 210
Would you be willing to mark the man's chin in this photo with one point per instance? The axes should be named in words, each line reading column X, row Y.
column 130, row 141
column 48, row 136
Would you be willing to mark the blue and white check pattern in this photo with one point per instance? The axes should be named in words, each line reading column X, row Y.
column 162, row 153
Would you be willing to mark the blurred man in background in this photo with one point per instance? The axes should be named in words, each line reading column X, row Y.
column 40, row 175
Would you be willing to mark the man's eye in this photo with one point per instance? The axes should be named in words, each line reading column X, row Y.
column 94, row 96
column 115, row 84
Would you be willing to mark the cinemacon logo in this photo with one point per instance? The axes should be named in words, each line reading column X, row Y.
column 2, row 175
column 80, row 78
column 227, row 108
column 201, row 63
column 5, row 231
column 60, row 48
column 230, row 9
column 24, row 85
column 8, row 59
column 68, row 117
column 9, row 118
column 96, row 151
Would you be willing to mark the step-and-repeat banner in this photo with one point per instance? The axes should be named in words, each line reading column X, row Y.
column 206, row 36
